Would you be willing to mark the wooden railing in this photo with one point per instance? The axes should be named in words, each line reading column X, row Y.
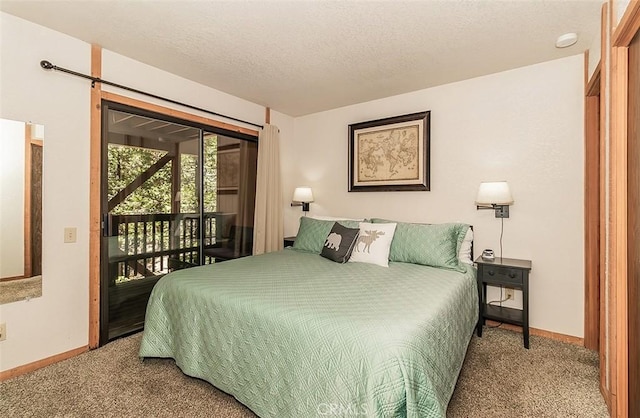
column 154, row 244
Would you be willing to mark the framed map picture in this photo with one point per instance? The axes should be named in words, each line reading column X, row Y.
column 228, row 169
column 390, row 154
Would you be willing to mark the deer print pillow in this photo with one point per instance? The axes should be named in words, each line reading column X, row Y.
column 373, row 244
column 339, row 243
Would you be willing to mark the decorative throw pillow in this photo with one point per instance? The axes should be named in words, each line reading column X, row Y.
column 339, row 243
column 373, row 244
column 437, row 245
column 312, row 233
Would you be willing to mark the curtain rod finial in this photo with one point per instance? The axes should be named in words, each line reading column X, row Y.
column 46, row 65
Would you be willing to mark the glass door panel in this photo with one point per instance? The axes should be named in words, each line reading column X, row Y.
column 151, row 212
column 230, row 167
column 174, row 196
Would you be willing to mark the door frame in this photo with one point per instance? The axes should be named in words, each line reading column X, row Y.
column 618, row 311
column 95, row 170
column 626, row 31
column 633, row 245
column 593, row 175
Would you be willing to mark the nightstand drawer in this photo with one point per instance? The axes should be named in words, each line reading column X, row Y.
column 503, row 275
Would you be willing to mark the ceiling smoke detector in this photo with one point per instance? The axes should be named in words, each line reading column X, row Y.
column 566, row 40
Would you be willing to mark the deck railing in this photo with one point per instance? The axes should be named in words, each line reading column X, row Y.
column 154, row 244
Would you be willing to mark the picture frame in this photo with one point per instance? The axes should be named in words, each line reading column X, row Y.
column 228, row 169
column 390, row 154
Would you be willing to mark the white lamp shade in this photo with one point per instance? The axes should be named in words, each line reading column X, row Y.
column 494, row 193
column 303, row 194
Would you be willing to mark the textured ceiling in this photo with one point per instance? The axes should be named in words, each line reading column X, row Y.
column 300, row 57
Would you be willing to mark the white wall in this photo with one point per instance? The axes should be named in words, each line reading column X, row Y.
column 12, row 138
column 122, row 70
column 524, row 126
column 594, row 55
column 620, row 7
column 58, row 321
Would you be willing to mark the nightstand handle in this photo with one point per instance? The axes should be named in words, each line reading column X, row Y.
column 512, row 275
column 491, row 273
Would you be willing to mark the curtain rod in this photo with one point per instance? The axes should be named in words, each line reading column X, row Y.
column 46, row 65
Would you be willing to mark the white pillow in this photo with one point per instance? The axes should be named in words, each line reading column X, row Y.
column 464, row 255
column 333, row 218
column 373, row 244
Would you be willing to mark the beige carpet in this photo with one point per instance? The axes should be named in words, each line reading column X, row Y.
column 499, row 379
column 21, row 289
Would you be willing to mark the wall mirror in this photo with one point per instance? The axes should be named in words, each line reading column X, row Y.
column 21, row 150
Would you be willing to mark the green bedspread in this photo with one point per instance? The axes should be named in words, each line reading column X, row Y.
column 291, row 334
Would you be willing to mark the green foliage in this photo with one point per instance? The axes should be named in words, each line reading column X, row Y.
column 126, row 163
column 189, row 191
column 210, row 173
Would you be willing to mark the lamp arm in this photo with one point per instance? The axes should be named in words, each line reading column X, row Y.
column 305, row 205
column 487, row 206
column 502, row 211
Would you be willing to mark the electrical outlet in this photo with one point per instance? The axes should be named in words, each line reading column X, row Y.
column 3, row 331
column 508, row 293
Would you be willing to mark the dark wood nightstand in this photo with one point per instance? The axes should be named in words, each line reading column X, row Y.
column 288, row 241
column 507, row 272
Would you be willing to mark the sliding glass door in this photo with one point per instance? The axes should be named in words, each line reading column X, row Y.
column 175, row 196
column 229, row 198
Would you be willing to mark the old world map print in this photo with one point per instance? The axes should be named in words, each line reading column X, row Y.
column 389, row 154
column 228, row 169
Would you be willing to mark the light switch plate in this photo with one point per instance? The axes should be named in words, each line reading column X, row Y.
column 69, row 235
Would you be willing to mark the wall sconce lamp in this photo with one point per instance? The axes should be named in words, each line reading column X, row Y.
column 302, row 196
column 495, row 195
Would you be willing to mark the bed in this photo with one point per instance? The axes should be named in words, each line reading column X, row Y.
column 293, row 334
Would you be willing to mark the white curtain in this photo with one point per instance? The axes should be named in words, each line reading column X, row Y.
column 268, row 233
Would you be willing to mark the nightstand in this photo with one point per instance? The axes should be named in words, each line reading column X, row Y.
column 507, row 272
column 288, row 241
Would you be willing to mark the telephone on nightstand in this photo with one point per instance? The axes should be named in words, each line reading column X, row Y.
column 488, row 255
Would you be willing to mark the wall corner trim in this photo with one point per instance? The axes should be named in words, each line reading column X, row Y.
column 30, row 367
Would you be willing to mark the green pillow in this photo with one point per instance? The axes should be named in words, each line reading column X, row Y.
column 434, row 245
column 312, row 233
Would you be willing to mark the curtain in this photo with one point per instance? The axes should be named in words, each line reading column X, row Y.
column 268, row 231
column 246, row 199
